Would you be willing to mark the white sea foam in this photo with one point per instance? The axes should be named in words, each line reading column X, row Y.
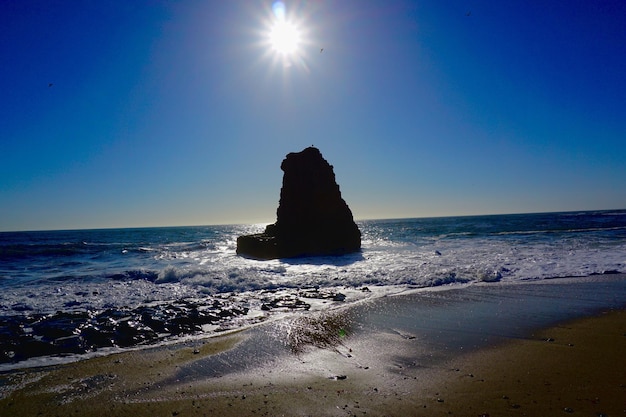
column 411, row 253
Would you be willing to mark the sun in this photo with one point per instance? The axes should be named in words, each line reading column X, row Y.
column 284, row 33
column 284, row 37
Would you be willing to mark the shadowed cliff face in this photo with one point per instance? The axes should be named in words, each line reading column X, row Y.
column 312, row 218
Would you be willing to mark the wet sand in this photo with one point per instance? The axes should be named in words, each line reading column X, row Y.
column 527, row 349
column 577, row 368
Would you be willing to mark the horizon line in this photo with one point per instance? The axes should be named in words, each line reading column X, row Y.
column 266, row 223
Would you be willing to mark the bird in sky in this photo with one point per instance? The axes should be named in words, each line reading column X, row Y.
column 50, row 84
column 321, row 50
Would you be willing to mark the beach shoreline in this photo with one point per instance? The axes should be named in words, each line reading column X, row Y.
column 577, row 367
column 477, row 350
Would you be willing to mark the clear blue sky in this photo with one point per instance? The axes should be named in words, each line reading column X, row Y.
column 180, row 112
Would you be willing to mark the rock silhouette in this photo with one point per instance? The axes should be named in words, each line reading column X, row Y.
column 312, row 218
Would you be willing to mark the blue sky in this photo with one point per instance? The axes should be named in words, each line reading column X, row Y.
column 180, row 112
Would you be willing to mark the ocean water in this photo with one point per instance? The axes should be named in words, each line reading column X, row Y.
column 59, row 288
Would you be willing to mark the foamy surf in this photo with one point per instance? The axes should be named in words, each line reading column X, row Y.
column 94, row 273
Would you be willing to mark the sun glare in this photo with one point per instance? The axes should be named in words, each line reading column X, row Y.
column 284, row 37
column 284, row 34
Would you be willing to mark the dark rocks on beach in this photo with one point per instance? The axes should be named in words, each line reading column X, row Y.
column 321, row 294
column 285, row 302
column 312, row 218
column 60, row 333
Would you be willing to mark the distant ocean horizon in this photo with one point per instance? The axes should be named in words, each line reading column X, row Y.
column 265, row 223
column 61, row 289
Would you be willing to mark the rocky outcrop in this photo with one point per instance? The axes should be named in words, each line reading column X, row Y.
column 78, row 332
column 312, row 218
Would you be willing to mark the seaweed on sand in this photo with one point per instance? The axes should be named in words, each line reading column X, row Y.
column 324, row 331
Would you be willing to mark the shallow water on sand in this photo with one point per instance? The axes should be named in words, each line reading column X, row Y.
column 415, row 330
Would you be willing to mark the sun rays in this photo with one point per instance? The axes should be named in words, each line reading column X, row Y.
column 285, row 37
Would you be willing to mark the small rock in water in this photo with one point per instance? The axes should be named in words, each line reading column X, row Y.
column 285, row 302
column 491, row 276
column 339, row 297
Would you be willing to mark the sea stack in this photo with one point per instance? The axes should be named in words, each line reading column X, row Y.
column 312, row 218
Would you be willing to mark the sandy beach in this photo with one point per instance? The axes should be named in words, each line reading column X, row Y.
column 541, row 348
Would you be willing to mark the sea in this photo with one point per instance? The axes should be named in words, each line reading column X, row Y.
column 67, row 294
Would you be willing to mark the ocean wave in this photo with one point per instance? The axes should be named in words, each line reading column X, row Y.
column 146, row 275
column 169, row 274
column 613, row 213
column 11, row 253
column 561, row 231
column 413, row 252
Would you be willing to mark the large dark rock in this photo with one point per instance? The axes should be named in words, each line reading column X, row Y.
column 312, row 218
